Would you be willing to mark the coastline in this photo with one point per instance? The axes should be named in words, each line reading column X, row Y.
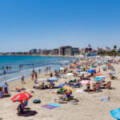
column 41, row 55
column 30, row 69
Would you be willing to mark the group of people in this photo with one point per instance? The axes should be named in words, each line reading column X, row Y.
column 43, row 85
column 98, row 86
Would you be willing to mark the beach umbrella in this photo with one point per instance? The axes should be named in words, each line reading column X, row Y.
column 78, row 70
column 61, row 68
column 83, row 72
column 69, row 74
column 78, row 66
column 98, row 74
column 99, row 78
column 112, row 73
column 52, row 79
column 42, row 80
column 84, row 82
column 68, row 88
column 62, row 85
column 91, row 71
column 21, row 96
column 57, row 69
column 81, row 67
column 104, row 66
column 3, row 85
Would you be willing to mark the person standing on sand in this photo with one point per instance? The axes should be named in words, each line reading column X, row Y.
column 39, row 71
column 36, row 76
column 23, row 79
column 32, row 76
column 51, row 75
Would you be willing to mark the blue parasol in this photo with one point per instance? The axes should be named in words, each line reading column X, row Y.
column 91, row 71
column 99, row 78
column 62, row 85
column 3, row 85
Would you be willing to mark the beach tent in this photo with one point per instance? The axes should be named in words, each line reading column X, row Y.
column 21, row 96
column 52, row 79
column 115, row 114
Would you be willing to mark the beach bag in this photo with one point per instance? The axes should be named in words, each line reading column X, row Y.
column 37, row 101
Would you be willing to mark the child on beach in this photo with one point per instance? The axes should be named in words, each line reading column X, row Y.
column 88, row 87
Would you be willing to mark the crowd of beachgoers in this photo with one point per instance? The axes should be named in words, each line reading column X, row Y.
column 81, row 91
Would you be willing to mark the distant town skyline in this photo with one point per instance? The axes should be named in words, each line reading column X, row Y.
column 48, row 24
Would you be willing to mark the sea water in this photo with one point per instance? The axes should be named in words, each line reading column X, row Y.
column 23, row 65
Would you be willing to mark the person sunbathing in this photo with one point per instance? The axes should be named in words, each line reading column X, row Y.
column 51, row 85
column 98, row 86
column 108, row 85
column 94, row 87
column 112, row 77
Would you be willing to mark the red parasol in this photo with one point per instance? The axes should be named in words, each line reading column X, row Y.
column 21, row 96
column 98, row 74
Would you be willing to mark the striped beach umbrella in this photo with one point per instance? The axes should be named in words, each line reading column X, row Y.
column 68, row 88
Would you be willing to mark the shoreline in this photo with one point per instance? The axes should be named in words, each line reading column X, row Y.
column 28, row 76
column 36, row 55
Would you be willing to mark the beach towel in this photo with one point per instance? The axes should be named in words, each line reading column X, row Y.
column 51, row 106
column 55, row 105
column 105, row 98
column 48, row 107
column 115, row 114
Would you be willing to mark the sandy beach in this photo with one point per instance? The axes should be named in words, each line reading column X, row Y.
column 89, row 107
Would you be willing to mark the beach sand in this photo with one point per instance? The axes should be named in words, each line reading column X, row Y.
column 90, row 107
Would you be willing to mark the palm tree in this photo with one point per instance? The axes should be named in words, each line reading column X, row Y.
column 115, row 50
column 115, row 47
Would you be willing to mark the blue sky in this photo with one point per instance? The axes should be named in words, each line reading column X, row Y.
column 26, row 24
